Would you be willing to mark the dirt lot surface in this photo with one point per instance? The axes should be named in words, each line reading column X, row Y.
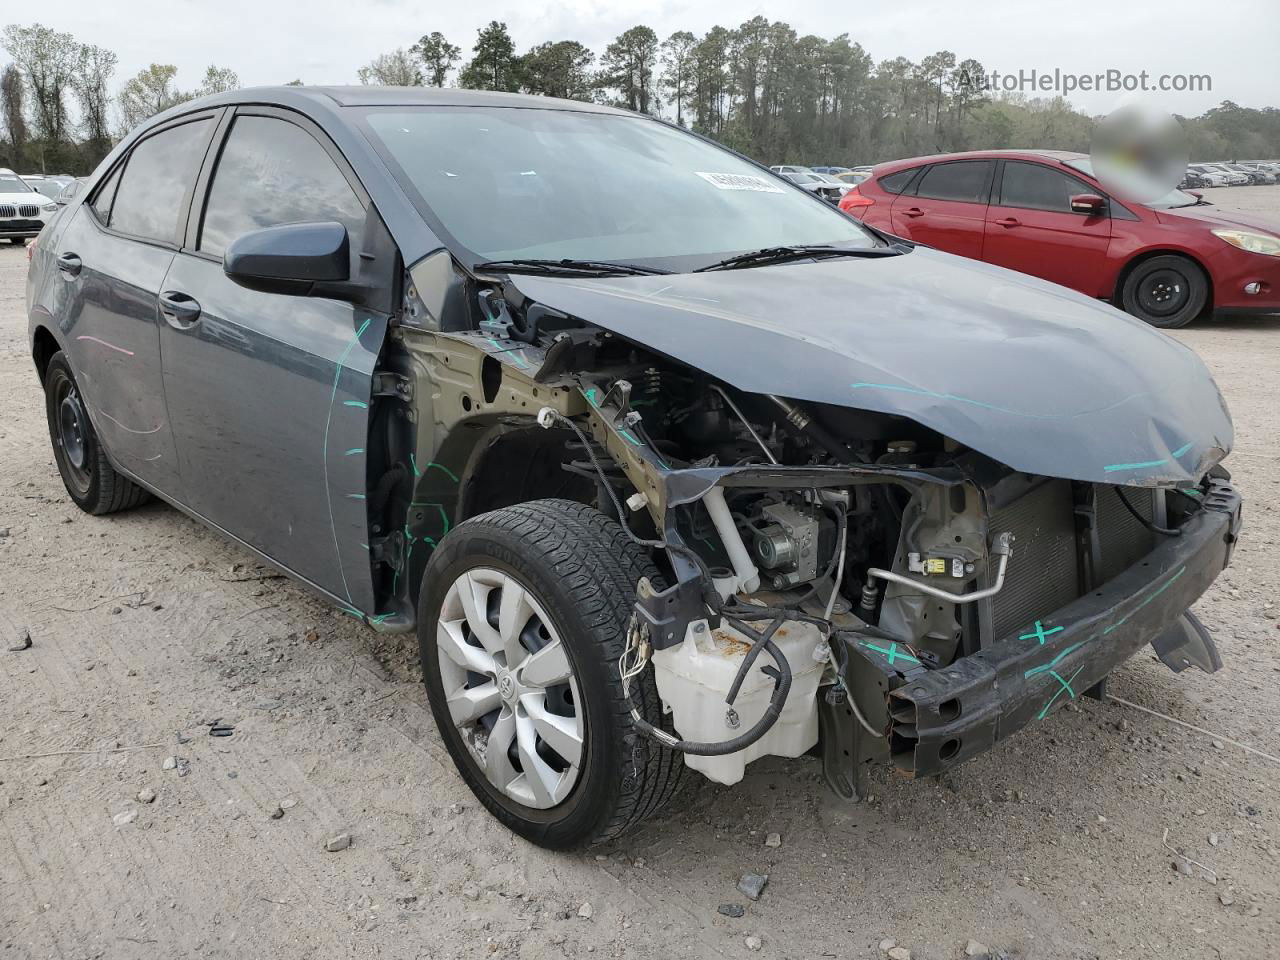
column 146, row 627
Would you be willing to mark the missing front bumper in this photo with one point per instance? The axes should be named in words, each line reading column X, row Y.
column 935, row 719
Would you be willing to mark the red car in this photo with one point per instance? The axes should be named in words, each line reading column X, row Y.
column 1042, row 212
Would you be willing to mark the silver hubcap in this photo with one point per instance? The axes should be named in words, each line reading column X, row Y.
column 510, row 687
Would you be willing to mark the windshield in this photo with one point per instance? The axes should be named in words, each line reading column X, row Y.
column 1174, row 198
column 535, row 183
column 12, row 184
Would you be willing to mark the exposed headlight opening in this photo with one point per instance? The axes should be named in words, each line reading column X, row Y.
column 1262, row 243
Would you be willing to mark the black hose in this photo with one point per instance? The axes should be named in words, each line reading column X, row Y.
column 781, row 689
column 757, row 644
column 1154, row 528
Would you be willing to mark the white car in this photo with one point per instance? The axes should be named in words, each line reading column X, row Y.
column 790, row 168
column 1234, row 177
column 1216, row 178
column 23, row 212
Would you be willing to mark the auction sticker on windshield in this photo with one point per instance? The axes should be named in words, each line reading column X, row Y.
column 739, row 181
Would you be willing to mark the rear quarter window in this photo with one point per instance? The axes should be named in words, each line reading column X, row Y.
column 897, row 182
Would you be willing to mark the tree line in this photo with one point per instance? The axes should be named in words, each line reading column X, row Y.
column 759, row 88
column 50, row 72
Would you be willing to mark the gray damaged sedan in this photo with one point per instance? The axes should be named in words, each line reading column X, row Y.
column 669, row 463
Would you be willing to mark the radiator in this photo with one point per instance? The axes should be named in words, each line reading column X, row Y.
column 1044, row 573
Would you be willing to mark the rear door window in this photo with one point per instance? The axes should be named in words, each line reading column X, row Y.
column 1037, row 187
column 273, row 172
column 897, row 182
column 965, row 181
column 153, row 189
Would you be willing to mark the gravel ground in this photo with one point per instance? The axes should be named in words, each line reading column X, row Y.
column 146, row 627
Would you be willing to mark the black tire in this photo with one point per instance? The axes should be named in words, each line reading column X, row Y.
column 18, row 241
column 583, row 570
column 1167, row 291
column 92, row 482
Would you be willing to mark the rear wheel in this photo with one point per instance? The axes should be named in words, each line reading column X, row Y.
column 90, row 479
column 1167, row 292
column 522, row 619
column 18, row 241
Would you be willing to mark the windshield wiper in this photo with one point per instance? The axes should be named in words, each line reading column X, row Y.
column 569, row 267
column 801, row 251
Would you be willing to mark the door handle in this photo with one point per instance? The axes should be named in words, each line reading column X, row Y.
column 178, row 309
column 913, row 212
column 1009, row 222
column 70, row 264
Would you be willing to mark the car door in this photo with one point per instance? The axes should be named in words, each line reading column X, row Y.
column 112, row 258
column 1031, row 228
column 269, row 393
column 947, row 209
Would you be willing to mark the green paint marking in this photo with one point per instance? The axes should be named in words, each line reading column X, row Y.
column 1190, row 492
column 333, row 396
column 414, row 463
column 364, row 546
column 355, row 403
column 1052, row 663
column 1040, row 633
column 1181, row 450
column 1113, row 467
column 355, row 496
column 364, row 617
column 893, row 653
column 353, row 451
column 1168, row 583
column 443, row 469
column 1065, row 685
column 515, row 352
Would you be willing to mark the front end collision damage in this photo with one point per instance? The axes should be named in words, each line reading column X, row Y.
column 877, row 523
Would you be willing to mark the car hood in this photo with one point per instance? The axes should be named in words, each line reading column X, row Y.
column 1031, row 374
column 36, row 198
column 1217, row 217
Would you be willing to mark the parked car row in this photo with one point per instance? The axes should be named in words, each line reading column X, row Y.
column 1044, row 213
column 1230, row 174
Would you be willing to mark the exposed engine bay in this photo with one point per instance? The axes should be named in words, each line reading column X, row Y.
column 834, row 578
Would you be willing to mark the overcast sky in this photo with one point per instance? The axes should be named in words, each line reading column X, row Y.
column 326, row 41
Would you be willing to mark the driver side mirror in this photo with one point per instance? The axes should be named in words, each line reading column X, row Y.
column 1089, row 204
column 299, row 259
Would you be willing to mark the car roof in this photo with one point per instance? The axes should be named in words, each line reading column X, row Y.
column 374, row 96
column 1059, row 155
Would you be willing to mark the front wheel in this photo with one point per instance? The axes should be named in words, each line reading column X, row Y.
column 1167, row 292
column 522, row 619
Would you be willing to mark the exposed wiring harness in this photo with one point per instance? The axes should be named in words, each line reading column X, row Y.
column 837, row 653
